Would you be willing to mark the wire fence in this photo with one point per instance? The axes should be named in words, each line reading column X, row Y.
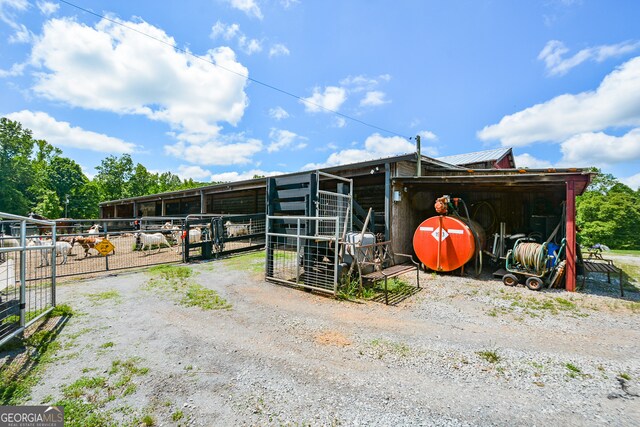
column 27, row 273
column 295, row 258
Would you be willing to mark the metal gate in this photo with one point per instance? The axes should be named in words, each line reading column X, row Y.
column 221, row 235
column 297, row 255
column 27, row 273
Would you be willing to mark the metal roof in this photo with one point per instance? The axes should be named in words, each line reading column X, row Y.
column 476, row 157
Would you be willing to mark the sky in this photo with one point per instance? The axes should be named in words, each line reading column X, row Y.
column 222, row 90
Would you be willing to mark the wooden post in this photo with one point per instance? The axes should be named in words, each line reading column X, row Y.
column 570, row 277
column 203, row 208
column 164, row 208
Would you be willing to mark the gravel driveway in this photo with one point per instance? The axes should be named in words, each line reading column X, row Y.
column 460, row 352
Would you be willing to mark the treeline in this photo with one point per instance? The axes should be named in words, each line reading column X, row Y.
column 36, row 177
column 609, row 213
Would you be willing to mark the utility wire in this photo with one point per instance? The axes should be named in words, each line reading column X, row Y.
column 261, row 83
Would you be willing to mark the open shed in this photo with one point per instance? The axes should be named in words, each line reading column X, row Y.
column 526, row 200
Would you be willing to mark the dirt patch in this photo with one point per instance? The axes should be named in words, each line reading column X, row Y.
column 332, row 338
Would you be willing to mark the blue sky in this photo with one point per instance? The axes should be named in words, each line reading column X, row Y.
column 557, row 80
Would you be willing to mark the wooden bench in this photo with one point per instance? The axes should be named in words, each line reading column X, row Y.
column 598, row 264
column 380, row 256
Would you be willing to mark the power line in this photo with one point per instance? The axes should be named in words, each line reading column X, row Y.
column 267, row 85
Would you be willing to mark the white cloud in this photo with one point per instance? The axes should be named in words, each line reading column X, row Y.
column 225, row 151
column 281, row 138
column 62, row 134
column 363, row 83
column 288, row 3
column 278, row 113
column 340, row 122
column 89, row 173
column 553, row 55
column 232, row 31
column 278, row 49
column 331, row 99
column 613, row 104
column 632, row 181
column 15, row 70
column 8, row 9
column 600, row 149
column 375, row 146
column 47, row 8
column 241, row 176
column 110, row 68
column 193, row 172
column 428, row 135
column 250, row 7
column 526, row 160
column 373, row 98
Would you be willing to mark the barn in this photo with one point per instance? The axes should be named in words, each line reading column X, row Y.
column 400, row 190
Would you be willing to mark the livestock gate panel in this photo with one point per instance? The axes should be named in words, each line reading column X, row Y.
column 334, row 204
column 220, row 235
column 125, row 234
column 27, row 273
column 296, row 258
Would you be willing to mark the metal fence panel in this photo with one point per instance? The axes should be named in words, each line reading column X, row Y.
column 27, row 273
column 294, row 258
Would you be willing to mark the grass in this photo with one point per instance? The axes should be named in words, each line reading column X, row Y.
column 105, row 296
column 85, row 399
column 573, row 370
column 383, row 347
column 177, row 416
column 108, row 344
column 633, row 252
column 490, row 356
column 173, row 279
column 206, row 299
column 395, row 286
column 625, row 376
column 25, row 358
column 536, row 306
column 252, row 262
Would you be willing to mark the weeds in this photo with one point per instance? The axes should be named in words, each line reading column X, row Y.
column 384, row 347
column 625, row 376
column 177, row 416
column 106, row 296
column 252, row 262
column 107, row 345
column 85, row 399
column 22, row 371
column 206, row 299
column 490, row 356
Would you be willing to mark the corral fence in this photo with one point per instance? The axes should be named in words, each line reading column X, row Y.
column 83, row 238
column 27, row 273
column 297, row 256
column 213, row 236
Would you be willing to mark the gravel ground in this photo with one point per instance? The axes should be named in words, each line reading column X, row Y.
column 460, row 352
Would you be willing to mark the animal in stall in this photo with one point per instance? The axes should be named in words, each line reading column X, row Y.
column 87, row 243
column 94, row 229
column 7, row 242
column 236, row 230
column 62, row 249
column 195, row 236
column 148, row 240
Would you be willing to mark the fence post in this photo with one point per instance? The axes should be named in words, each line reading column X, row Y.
column 298, row 253
column 23, row 272
column 106, row 257
column 53, row 266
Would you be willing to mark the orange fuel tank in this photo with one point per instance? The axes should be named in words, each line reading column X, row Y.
column 444, row 243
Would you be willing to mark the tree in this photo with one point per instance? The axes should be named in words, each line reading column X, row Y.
column 113, row 177
column 609, row 213
column 48, row 204
column 16, row 169
column 142, row 182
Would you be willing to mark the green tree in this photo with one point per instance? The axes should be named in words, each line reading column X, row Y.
column 609, row 213
column 113, row 177
column 16, row 169
column 142, row 182
column 48, row 204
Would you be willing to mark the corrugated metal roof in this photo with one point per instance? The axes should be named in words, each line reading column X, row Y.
column 476, row 157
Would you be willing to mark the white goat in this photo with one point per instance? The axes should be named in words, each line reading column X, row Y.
column 236, row 230
column 62, row 249
column 95, row 229
column 195, row 236
column 7, row 242
column 148, row 240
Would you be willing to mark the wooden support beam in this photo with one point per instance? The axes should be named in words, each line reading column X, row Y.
column 570, row 277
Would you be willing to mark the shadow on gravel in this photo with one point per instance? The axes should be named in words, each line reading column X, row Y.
column 396, row 296
column 21, row 358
